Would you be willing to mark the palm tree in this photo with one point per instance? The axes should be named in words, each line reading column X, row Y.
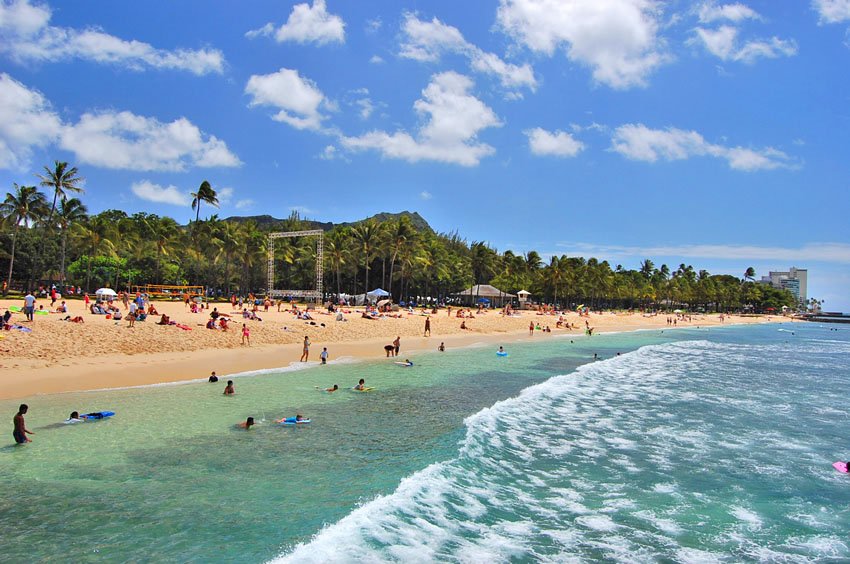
column 366, row 233
column 337, row 244
column 25, row 205
column 70, row 212
column 61, row 180
column 399, row 233
column 750, row 273
column 96, row 237
column 206, row 194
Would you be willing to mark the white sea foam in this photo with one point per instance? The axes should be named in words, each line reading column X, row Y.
column 565, row 453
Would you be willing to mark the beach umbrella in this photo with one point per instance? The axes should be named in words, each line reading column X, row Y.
column 484, row 300
column 382, row 303
column 579, row 307
column 677, row 311
column 105, row 292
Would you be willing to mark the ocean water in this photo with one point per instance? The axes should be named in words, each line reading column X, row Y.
column 690, row 446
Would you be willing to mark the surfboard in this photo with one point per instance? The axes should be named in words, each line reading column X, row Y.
column 363, row 390
column 841, row 467
column 404, row 364
column 291, row 421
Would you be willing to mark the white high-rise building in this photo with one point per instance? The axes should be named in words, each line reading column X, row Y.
column 794, row 281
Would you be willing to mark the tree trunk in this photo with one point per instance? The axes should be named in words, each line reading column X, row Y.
column 12, row 259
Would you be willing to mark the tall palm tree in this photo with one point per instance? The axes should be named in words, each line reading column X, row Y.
column 206, row 194
column 366, row 233
column 336, row 250
column 750, row 273
column 96, row 236
column 61, row 180
column 25, row 205
column 70, row 212
column 400, row 232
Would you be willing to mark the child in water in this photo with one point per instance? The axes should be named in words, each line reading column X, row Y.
column 361, row 385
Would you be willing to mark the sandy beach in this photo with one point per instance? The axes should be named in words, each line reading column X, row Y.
column 59, row 356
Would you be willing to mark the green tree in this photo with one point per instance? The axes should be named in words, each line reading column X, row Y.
column 25, row 205
column 206, row 194
column 70, row 212
column 61, row 180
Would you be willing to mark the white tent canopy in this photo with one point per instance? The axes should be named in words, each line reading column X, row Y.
column 105, row 294
column 377, row 293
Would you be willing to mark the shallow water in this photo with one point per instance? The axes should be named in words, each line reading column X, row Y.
column 717, row 445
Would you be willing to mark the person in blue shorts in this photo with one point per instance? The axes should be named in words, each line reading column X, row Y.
column 20, row 431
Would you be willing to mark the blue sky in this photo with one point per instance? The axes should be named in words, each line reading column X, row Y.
column 710, row 133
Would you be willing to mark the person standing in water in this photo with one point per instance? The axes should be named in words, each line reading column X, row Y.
column 397, row 345
column 20, row 431
column 228, row 390
column 324, row 355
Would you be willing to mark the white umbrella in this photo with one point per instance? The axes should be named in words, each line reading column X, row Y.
column 105, row 292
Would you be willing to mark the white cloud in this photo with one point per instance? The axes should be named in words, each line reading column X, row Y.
column 123, row 140
column 832, row 11
column 640, row 143
column 301, row 210
column 427, row 41
column 247, row 203
column 710, row 12
column 376, row 60
column 558, row 144
column 306, row 24
column 297, row 98
column 425, row 195
column 618, row 39
column 723, row 43
column 811, row 252
column 26, row 121
column 151, row 192
column 27, row 36
column 224, row 195
column 450, row 133
column 329, row 153
column 374, row 25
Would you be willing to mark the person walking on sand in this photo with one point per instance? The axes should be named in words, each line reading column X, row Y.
column 246, row 335
column 531, row 329
column 397, row 345
column 20, row 431
column 427, row 326
column 324, row 355
column 305, row 353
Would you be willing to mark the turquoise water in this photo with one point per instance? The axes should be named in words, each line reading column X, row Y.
column 696, row 445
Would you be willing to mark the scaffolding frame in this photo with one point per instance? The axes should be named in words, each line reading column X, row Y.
column 318, row 292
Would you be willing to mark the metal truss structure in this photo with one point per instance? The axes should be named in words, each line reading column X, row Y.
column 317, row 293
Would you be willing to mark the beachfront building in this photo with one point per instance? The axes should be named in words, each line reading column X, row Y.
column 794, row 281
column 485, row 294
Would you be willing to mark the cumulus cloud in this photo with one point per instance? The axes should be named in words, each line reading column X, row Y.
column 123, row 140
column 425, row 195
column 723, row 43
column 427, row 41
column 558, row 144
column 640, row 143
column 297, row 98
column 247, row 203
column 147, row 190
column 454, row 117
column 711, row 12
column 26, row 121
column 832, row 11
column 25, row 34
column 376, row 60
column 617, row 39
column 306, row 24
column 224, row 195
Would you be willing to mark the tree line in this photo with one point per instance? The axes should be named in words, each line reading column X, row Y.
column 49, row 236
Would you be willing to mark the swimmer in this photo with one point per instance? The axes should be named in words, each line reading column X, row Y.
column 246, row 424
column 332, row 390
column 361, row 385
column 74, row 418
column 228, row 390
column 501, row 349
column 213, row 377
column 407, row 362
column 442, row 347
